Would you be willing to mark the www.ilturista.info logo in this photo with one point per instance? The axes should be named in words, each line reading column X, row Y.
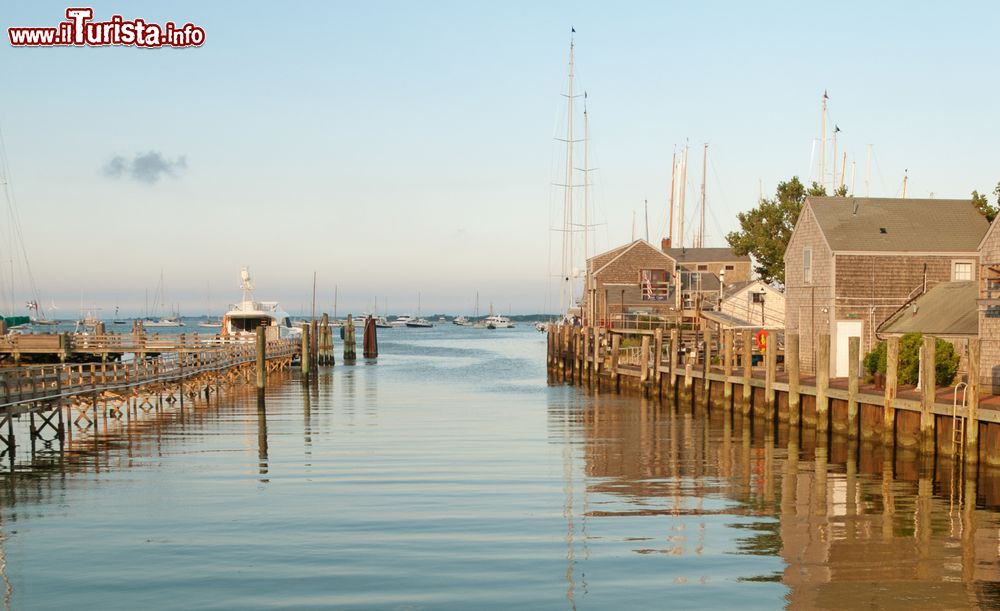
column 80, row 30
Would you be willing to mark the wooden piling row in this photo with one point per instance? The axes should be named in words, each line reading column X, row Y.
column 584, row 357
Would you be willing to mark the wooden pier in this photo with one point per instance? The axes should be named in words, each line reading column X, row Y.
column 722, row 370
column 128, row 374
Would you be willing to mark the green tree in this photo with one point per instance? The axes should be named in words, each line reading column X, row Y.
column 980, row 201
column 765, row 231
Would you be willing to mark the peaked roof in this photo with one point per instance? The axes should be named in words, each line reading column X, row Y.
column 603, row 259
column 704, row 255
column 899, row 225
column 950, row 308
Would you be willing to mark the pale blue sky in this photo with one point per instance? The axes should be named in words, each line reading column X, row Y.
column 404, row 147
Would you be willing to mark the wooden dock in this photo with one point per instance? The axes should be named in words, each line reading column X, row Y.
column 127, row 374
column 668, row 363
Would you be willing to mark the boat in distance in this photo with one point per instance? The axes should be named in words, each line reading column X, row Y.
column 401, row 320
column 166, row 321
column 243, row 319
column 495, row 321
column 420, row 323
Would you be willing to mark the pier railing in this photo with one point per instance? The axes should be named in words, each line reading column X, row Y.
column 177, row 360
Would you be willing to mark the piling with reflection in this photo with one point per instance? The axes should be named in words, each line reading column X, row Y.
column 261, row 361
column 306, row 353
column 792, row 368
column 853, row 367
column 823, row 383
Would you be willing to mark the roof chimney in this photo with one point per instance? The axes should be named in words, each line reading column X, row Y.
column 665, row 243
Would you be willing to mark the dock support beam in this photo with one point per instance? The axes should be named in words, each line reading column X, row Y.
column 727, row 367
column 853, row 366
column 972, row 392
column 823, row 383
column 928, row 390
column 891, row 383
column 306, row 353
column 770, row 371
column 261, row 361
column 747, row 369
column 792, row 368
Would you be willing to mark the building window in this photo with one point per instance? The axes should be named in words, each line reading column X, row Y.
column 730, row 268
column 807, row 265
column 758, row 297
column 702, row 268
column 961, row 270
column 654, row 284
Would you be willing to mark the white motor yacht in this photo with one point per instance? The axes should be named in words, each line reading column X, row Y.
column 495, row 321
column 243, row 318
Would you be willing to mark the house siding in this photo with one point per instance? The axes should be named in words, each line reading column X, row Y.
column 871, row 288
column 805, row 302
column 989, row 327
column 622, row 274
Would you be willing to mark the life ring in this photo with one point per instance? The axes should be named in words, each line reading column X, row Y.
column 761, row 340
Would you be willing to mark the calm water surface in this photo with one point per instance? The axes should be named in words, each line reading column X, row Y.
column 453, row 475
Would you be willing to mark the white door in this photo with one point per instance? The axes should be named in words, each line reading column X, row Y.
column 845, row 329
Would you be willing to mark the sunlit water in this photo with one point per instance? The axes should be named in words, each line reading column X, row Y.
column 452, row 475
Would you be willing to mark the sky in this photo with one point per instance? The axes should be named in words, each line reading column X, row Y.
column 405, row 153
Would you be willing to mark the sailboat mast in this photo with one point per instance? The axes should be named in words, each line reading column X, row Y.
column 822, row 146
column 868, row 172
column 645, row 207
column 566, row 294
column 673, row 176
column 704, row 174
column 334, row 302
column 586, row 181
column 683, row 192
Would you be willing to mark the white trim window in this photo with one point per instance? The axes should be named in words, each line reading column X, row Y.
column 807, row 265
column 961, row 270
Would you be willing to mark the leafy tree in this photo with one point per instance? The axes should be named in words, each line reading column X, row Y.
column 765, row 230
column 983, row 204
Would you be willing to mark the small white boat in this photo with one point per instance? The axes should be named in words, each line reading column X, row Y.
column 541, row 326
column 419, row 322
column 382, row 323
column 210, row 324
column 166, row 321
column 401, row 321
column 461, row 321
column 243, row 318
column 495, row 321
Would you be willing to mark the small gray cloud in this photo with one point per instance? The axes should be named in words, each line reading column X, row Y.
column 145, row 167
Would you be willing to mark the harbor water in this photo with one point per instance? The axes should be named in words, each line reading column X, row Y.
column 453, row 474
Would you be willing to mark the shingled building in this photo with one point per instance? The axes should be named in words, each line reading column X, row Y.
column 853, row 262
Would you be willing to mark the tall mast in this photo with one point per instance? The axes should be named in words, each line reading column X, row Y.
column 868, row 172
column 905, row 176
column 586, row 181
column 683, row 192
column 704, row 173
column 833, row 176
column 566, row 294
column 673, row 176
column 843, row 170
column 822, row 146
column 645, row 209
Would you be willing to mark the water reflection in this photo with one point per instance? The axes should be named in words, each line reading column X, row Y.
column 846, row 524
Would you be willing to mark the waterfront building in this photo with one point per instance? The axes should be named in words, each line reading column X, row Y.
column 853, row 262
column 632, row 282
column 989, row 307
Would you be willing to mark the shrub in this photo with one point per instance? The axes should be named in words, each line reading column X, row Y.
column 875, row 361
column 945, row 360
